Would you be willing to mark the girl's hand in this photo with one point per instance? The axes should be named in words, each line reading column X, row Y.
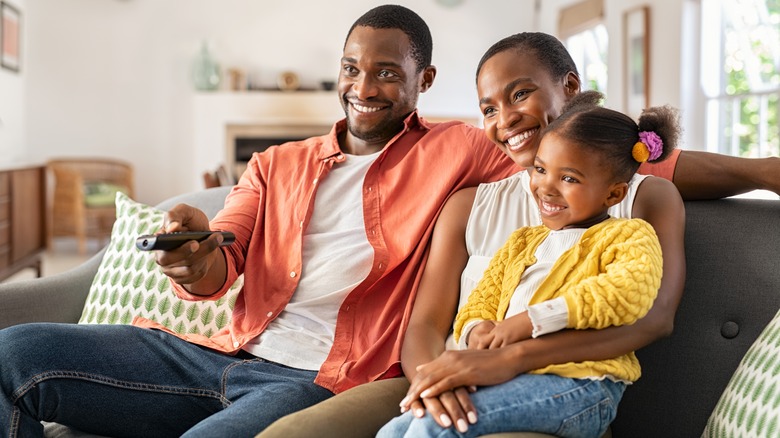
column 514, row 329
column 481, row 335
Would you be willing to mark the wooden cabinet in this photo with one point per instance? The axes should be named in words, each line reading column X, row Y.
column 22, row 218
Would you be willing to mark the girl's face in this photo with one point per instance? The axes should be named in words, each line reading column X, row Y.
column 570, row 184
column 518, row 97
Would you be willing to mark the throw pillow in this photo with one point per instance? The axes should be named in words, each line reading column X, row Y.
column 129, row 283
column 750, row 404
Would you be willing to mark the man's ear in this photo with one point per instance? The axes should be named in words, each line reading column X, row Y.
column 571, row 84
column 427, row 77
column 616, row 194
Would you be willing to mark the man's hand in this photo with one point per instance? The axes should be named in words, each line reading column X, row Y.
column 192, row 261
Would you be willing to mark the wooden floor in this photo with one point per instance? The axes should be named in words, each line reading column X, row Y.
column 63, row 256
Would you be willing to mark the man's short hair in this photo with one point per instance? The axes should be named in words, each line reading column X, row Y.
column 407, row 21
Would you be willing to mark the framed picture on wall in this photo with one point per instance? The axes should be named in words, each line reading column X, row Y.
column 10, row 47
column 636, row 43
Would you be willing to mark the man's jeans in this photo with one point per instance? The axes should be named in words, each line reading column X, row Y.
column 122, row 380
column 542, row 403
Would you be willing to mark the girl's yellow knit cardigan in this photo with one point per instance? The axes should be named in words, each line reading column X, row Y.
column 609, row 278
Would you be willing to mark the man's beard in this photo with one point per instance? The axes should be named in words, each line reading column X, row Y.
column 385, row 130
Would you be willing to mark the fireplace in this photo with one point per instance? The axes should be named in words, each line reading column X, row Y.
column 242, row 140
column 229, row 126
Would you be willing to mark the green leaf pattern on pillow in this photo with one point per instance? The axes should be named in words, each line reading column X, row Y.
column 129, row 283
column 750, row 404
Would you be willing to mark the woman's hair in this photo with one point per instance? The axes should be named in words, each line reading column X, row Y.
column 547, row 50
column 405, row 20
column 614, row 135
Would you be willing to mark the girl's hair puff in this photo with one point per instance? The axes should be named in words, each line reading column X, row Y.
column 613, row 134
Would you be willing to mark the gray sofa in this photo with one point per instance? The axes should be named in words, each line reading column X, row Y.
column 732, row 291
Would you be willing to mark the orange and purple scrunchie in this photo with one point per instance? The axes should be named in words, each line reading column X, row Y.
column 649, row 147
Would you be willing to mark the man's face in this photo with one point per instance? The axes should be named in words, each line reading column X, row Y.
column 378, row 83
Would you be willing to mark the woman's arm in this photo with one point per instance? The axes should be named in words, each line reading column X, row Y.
column 437, row 296
column 659, row 203
column 705, row 175
column 436, row 303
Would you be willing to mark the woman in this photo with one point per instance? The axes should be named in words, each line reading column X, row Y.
column 523, row 83
column 581, row 269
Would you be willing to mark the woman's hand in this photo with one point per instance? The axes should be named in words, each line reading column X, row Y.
column 465, row 368
column 447, row 409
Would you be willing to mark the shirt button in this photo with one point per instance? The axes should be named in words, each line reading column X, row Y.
column 315, row 180
column 269, row 314
column 301, row 224
column 381, row 266
column 292, row 274
column 235, row 344
column 369, row 189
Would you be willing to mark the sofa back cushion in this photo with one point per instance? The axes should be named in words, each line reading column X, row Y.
column 732, row 290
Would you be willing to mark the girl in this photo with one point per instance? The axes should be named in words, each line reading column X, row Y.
column 607, row 273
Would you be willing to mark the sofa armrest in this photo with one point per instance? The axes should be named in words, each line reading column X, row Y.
column 56, row 298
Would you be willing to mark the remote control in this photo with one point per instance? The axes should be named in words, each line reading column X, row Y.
column 169, row 241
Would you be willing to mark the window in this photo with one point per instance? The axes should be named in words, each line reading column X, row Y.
column 589, row 51
column 741, row 76
column 583, row 33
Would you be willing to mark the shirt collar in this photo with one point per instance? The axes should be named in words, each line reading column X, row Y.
column 331, row 149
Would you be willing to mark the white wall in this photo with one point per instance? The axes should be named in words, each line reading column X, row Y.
column 13, row 143
column 111, row 77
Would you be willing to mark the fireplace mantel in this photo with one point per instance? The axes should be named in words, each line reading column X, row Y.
column 214, row 112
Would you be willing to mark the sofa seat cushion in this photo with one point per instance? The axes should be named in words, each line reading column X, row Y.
column 750, row 404
column 129, row 282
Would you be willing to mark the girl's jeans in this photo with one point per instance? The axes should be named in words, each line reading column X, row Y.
column 543, row 403
column 120, row 380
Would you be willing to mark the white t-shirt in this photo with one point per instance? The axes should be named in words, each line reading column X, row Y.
column 336, row 258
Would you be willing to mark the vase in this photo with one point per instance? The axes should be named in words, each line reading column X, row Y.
column 205, row 70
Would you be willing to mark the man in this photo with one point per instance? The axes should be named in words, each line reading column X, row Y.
column 330, row 235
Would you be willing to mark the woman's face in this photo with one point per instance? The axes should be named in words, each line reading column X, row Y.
column 518, row 97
